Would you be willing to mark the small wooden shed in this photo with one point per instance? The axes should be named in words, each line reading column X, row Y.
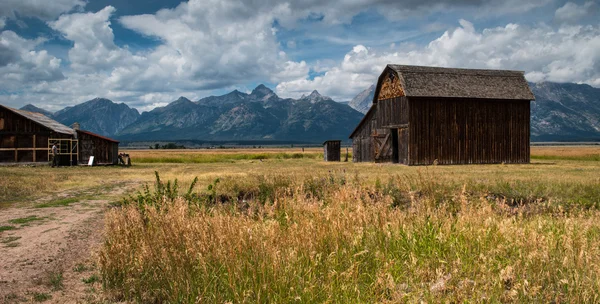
column 332, row 150
column 430, row 115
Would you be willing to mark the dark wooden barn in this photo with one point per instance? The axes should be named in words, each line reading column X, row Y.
column 332, row 150
column 27, row 137
column 429, row 115
column 105, row 150
column 24, row 135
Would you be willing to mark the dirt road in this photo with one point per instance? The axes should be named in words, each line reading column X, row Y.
column 48, row 254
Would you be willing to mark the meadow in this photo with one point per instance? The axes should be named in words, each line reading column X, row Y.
column 281, row 225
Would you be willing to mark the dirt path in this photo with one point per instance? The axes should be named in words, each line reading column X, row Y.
column 48, row 254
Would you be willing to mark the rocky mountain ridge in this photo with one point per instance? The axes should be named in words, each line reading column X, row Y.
column 561, row 112
column 260, row 115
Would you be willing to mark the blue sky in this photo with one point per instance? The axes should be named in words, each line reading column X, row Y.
column 148, row 53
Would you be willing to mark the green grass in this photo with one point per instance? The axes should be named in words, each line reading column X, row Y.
column 26, row 220
column 41, row 296
column 55, row 280
column 58, row 203
column 7, row 228
column 91, row 280
column 80, row 268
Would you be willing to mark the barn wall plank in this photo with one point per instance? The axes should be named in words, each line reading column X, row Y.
column 468, row 131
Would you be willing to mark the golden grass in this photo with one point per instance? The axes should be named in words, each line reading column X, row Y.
column 23, row 184
column 567, row 153
column 340, row 240
column 565, row 150
column 300, row 229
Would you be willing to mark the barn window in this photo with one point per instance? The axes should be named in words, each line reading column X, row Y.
column 392, row 76
column 1, row 123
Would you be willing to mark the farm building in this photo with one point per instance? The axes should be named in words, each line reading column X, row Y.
column 426, row 115
column 332, row 150
column 27, row 137
column 24, row 135
column 105, row 150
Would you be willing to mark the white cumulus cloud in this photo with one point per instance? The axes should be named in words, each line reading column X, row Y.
column 94, row 48
column 20, row 63
column 566, row 54
column 224, row 44
column 215, row 44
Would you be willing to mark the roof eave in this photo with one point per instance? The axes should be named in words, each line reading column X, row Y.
column 362, row 121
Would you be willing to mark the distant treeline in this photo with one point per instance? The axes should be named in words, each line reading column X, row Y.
column 195, row 144
column 167, row 146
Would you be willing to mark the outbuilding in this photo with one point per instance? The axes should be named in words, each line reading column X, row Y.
column 430, row 115
column 332, row 150
column 24, row 136
column 27, row 137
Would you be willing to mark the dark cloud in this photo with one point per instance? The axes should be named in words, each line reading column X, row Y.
column 45, row 10
column 7, row 55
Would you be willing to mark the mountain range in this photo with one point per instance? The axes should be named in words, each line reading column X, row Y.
column 99, row 115
column 561, row 112
column 565, row 112
column 236, row 116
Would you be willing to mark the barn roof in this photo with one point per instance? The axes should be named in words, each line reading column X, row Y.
column 97, row 135
column 422, row 81
column 43, row 120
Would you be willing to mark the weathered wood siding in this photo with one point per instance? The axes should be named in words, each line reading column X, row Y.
column 362, row 143
column 392, row 113
column 104, row 151
column 392, row 116
column 374, row 141
column 23, row 140
column 331, row 150
column 403, row 144
column 468, row 131
column 382, row 145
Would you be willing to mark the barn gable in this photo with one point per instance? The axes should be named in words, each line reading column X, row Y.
column 390, row 86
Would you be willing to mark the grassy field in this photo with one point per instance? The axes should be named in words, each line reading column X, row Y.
column 283, row 226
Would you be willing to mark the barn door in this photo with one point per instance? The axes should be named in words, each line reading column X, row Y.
column 382, row 144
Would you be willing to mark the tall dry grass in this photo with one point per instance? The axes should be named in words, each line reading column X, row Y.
column 334, row 238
